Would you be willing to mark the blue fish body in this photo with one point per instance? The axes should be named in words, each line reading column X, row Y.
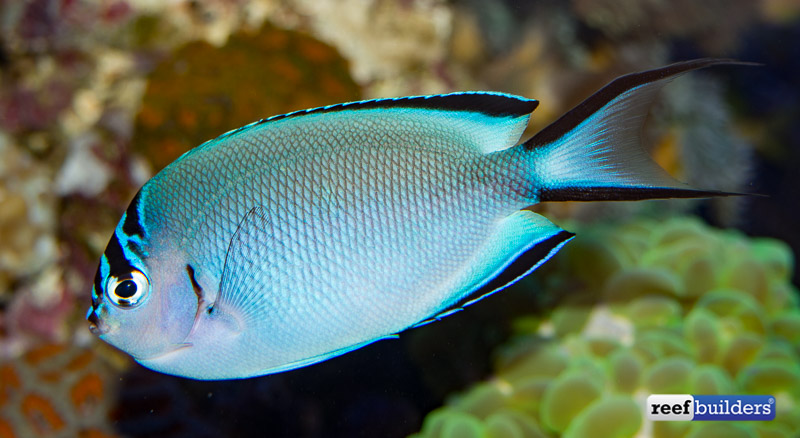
column 307, row 235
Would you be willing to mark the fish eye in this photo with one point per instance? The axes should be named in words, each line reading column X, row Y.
column 128, row 290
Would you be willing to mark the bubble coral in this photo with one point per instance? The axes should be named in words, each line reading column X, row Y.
column 671, row 306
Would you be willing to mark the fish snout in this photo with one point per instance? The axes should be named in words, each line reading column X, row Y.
column 96, row 326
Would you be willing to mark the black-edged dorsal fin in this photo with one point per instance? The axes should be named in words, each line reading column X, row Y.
column 487, row 103
column 497, row 120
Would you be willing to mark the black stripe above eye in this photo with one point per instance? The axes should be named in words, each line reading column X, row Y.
column 98, row 289
column 132, row 225
column 118, row 264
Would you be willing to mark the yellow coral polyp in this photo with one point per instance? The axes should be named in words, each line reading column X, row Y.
column 711, row 380
column 626, row 285
column 545, row 361
column 775, row 257
column 626, row 369
column 501, row 426
column 787, row 326
column 702, row 330
column 654, row 311
column 616, row 416
column 741, row 351
column 669, row 376
column 719, row 429
column 656, row 343
column 566, row 397
column 699, row 275
column 461, row 425
column 771, row 377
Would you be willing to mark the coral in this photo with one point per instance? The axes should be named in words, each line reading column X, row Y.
column 402, row 35
column 27, row 217
column 57, row 390
column 60, row 89
column 648, row 307
column 202, row 91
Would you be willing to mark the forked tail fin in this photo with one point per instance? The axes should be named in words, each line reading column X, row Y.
column 593, row 152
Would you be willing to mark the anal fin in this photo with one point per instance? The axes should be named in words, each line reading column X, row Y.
column 521, row 243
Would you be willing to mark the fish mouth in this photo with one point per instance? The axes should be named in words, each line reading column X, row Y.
column 96, row 326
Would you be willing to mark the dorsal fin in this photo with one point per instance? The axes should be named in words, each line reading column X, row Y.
column 487, row 103
column 498, row 119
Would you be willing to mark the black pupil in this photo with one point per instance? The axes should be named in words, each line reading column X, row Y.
column 126, row 289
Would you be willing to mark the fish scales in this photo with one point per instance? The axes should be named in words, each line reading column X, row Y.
column 392, row 193
column 352, row 174
column 354, row 203
column 301, row 237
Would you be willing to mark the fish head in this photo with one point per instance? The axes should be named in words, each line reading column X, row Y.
column 140, row 304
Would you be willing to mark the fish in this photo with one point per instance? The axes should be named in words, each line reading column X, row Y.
column 307, row 235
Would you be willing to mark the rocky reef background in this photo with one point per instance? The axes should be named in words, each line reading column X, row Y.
column 98, row 95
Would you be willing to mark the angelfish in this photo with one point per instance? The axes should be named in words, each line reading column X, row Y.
column 307, row 235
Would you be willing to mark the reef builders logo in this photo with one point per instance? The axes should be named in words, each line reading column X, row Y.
column 685, row 407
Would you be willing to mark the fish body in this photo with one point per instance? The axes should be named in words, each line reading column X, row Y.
column 304, row 236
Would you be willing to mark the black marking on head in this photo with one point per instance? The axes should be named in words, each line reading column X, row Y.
column 118, row 264
column 98, row 290
column 132, row 225
column 487, row 103
column 135, row 248
column 618, row 86
column 624, row 194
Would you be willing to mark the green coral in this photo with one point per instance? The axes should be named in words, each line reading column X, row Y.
column 668, row 306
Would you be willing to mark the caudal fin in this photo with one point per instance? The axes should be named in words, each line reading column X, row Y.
column 594, row 152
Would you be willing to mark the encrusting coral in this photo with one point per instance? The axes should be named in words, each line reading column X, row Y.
column 57, row 390
column 649, row 307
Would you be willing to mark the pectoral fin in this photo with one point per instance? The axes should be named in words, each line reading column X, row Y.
column 243, row 288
